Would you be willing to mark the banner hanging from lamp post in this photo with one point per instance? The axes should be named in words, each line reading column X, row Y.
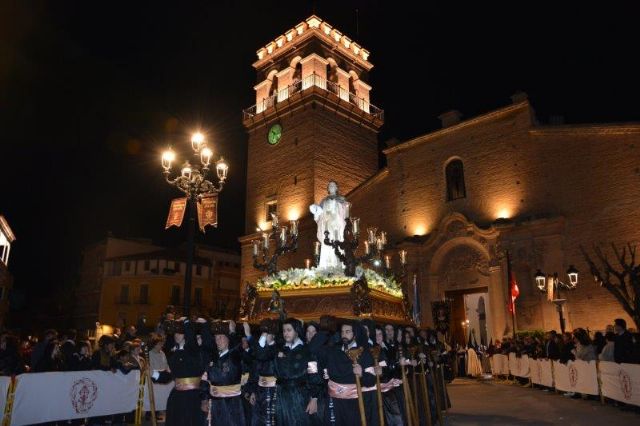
column 208, row 211
column 176, row 212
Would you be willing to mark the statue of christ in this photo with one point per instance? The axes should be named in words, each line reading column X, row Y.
column 330, row 215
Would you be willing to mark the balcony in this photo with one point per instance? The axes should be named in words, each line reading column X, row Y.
column 339, row 93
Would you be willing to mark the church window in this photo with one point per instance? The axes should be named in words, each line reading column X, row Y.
column 272, row 207
column 455, row 180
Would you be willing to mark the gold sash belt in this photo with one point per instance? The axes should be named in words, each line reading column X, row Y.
column 267, row 381
column 187, row 383
column 228, row 391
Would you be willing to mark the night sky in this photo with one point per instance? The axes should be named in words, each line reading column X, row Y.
column 91, row 92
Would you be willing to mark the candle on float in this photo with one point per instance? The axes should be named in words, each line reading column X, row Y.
column 255, row 247
column 265, row 240
column 307, row 263
column 274, row 220
column 294, row 228
column 347, row 210
column 355, row 225
column 383, row 237
column 283, row 234
column 387, row 261
column 372, row 235
column 336, row 235
column 379, row 244
column 367, row 248
column 403, row 257
column 316, row 248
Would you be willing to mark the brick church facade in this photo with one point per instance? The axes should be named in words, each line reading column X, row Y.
column 456, row 198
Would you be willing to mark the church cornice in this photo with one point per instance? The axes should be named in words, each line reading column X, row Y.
column 380, row 175
column 588, row 129
column 493, row 115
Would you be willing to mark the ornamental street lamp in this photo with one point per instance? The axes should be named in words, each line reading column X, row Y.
column 192, row 181
column 551, row 286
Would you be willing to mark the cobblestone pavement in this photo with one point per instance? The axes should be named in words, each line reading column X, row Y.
column 489, row 403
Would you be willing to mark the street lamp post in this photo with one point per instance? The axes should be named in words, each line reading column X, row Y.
column 551, row 284
column 193, row 182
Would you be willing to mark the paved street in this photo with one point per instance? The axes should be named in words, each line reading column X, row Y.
column 487, row 403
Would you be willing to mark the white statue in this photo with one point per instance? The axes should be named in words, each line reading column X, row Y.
column 330, row 216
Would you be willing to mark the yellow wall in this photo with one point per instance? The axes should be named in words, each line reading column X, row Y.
column 111, row 308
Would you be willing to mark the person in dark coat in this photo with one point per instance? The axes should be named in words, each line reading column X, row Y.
column 224, row 374
column 263, row 375
column 551, row 346
column 68, row 347
column 623, row 345
column 81, row 360
column 185, row 363
column 390, row 382
column 297, row 378
column 11, row 362
column 317, row 339
column 38, row 351
column 51, row 359
column 343, row 402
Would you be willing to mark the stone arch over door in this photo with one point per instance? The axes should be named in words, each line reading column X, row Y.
column 462, row 258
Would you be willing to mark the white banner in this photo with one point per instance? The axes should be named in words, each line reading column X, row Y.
column 576, row 376
column 546, row 373
column 48, row 397
column 499, row 365
column 621, row 382
column 535, row 370
column 160, row 395
column 518, row 366
column 4, row 388
column 512, row 364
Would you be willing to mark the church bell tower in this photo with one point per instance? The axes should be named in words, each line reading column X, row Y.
column 312, row 122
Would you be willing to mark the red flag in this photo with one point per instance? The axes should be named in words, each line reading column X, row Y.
column 176, row 212
column 514, row 291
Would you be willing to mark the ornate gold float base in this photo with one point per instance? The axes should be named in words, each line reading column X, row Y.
column 311, row 303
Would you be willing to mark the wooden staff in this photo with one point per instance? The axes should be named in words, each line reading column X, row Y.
column 375, row 353
column 152, row 398
column 412, row 352
column 444, row 389
column 434, row 377
column 425, row 392
column 408, row 409
column 354, row 354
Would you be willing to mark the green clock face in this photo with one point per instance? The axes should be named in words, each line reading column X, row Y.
column 275, row 133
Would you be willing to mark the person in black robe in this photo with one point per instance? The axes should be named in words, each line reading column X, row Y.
column 341, row 371
column 298, row 381
column 263, row 375
column 224, row 374
column 245, row 380
column 185, row 362
column 317, row 339
column 391, row 382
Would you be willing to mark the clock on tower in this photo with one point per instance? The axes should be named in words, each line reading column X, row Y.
column 275, row 133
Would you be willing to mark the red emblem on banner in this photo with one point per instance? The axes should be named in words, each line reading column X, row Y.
column 176, row 212
column 625, row 384
column 84, row 393
column 208, row 211
column 573, row 376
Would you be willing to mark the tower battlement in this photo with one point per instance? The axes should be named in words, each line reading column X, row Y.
column 313, row 26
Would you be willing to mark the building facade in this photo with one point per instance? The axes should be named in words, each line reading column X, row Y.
column 457, row 199
column 6, row 279
column 128, row 281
